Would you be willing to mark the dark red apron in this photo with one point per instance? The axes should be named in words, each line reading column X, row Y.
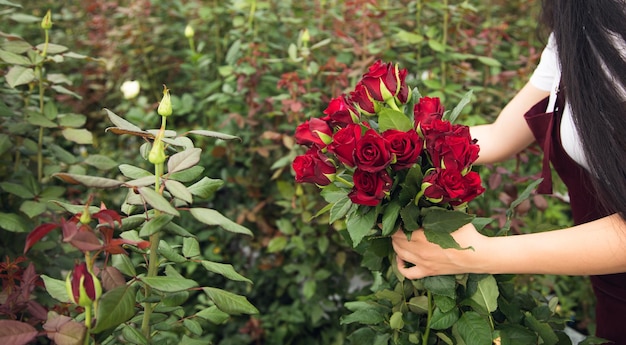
column 610, row 290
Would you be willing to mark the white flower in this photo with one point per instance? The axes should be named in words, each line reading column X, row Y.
column 130, row 89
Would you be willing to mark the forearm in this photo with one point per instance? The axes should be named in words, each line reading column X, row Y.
column 509, row 134
column 598, row 247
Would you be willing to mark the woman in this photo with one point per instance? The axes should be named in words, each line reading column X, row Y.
column 579, row 119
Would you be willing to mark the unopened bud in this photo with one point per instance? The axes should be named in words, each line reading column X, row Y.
column 305, row 37
column 189, row 33
column 130, row 89
column 46, row 22
column 165, row 107
column 83, row 287
column 157, row 152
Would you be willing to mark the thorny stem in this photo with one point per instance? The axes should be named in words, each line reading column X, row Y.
column 429, row 317
column 153, row 260
column 41, row 105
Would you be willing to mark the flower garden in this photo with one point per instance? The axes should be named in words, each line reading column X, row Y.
column 229, row 172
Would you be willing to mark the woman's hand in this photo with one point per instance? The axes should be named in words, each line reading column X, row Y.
column 430, row 259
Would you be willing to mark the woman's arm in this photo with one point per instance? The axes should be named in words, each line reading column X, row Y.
column 597, row 247
column 509, row 134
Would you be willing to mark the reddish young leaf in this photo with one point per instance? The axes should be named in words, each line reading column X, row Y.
column 16, row 332
column 69, row 229
column 109, row 217
column 37, row 234
column 85, row 241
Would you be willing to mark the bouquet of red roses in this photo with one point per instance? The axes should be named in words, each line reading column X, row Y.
column 382, row 154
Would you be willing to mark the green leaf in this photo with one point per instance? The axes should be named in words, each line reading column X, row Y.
column 71, row 208
column 169, row 284
column 212, row 217
column 543, row 329
column 213, row 134
column 191, row 247
column 19, row 75
column 188, row 175
column 441, row 285
column 390, row 217
column 121, row 123
column 17, row 189
column 133, row 335
column 516, row 335
column 33, row 208
column 408, row 37
column 410, row 217
column 393, row 119
column 183, row 160
column 368, row 313
column 56, row 288
column 359, row 225
column 459, row 107
column 155, row 224
column 443, row 320
column 89, row 181
column 157, row 201
column 487, row 294
column 489, row 61
column 178, row 190
column 37, row 119
column 396, row 322
column 115, row 307
column 438, row 223
column 53, row 48
column 436, row 46
column 14, row 59
column 72, row 120
column 9, row 3
column 230, row 303
column 193, row 326
column 339, row 209
column 5, row 143
column 169, row 253
column 134, row 172
column 277, row 244
column 78, row 135
column 474, row 329
column 13, row 222
column 206, row 187
column 411, row 185
column 213, row 315
column 226, row 270
column 100, row 162
column 123, row 264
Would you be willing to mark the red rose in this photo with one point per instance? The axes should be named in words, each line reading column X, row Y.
column 385, row 81
column 372, row 153
column 313, row 167
column 449, row 186
column 450, row 146
column 370, row 188
column 363, row 100
column 344, row 143
column 313, row 132
column 341, row 112
column 407, row 146
column 427, row 110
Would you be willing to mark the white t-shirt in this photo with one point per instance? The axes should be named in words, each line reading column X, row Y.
column 546, row 77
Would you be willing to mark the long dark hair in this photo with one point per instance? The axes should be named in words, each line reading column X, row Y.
column 588, row 35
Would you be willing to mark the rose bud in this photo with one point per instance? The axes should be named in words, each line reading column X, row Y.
column 385, row 81
column 46, row 22
column 314, row 167
column 344, row 142
column 341, row 112
column 83, row 287
column 314, row 132
column 189, row 32
column 407, row 146
column 370, row 188
column 427, row 110
column 363, row 101
column 165, row 107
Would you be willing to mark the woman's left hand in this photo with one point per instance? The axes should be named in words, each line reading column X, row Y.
column 429, row 259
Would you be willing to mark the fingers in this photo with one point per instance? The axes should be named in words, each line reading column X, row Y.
column 409, row 272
